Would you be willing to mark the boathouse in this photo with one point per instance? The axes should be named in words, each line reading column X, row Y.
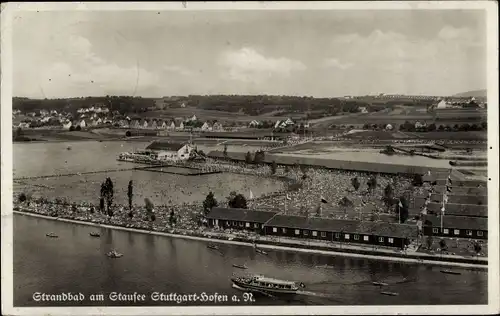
column 456, row 226
column 171, row 151
column 236, row 218
column 348, row 231
column 461, row 199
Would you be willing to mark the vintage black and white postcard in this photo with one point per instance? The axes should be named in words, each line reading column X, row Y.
column 249, row 158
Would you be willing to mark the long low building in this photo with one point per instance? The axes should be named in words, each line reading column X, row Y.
column 349, row 165
column 462, row 190
column 275, row 224
column 453, row 209
column 372, row 233
column 236, row 218
column 463, row 183
column 461, row 199
column 456, row 226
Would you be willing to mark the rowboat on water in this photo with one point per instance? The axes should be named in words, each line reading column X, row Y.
column 240, row 266
column 214, row 247
column 262, row 252
column 389, row 293
column 51, row 235
column 114, row 254
column 95, row 234
column 450, row 272
column 380, row 283
column 325, row 266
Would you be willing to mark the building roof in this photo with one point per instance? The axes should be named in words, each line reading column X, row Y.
column 159, row 145
column 460, row 209
column 459, row 222
column 347, row 226
column 238, row 214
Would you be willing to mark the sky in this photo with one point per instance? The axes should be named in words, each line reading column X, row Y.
column 322, row 53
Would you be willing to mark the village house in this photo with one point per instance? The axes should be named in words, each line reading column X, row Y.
column 389, row 127
column 153, row 124
column 171, row 151
column 419, row 125
column 144, row 123
column 67, row 125
column 193, row 118
column 82, row 124
column 206, row 127
column 163, row 125
column 456, row 227
column 217, row 127
column 362, row 109
column 180, row 127
column 255, row 124
column 24, row 125
column 242, row 219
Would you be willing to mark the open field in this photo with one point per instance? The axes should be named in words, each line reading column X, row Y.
column 202, row 115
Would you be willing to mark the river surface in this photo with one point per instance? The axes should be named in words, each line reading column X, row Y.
column 43, row 159
column 76, row 262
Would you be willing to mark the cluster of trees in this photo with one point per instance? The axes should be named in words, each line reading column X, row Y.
column 410, row 127
column 257, row 158
column 106, row 198
column 261, row 104
column 122, row 104
column 234, row 200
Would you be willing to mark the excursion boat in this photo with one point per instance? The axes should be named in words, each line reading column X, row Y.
column 325, row 266
column 51, row 235
column 259, row 283
column 114, row 254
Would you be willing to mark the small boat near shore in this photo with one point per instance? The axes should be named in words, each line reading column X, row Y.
column 266, row 285
column 262, row 252
column 213, row 247
column 52, row 235
column 240, row 266
column 95, row 234
column 325, row 266
column 380, row 283
column 389, row 293
column 450, row 272
column 114, row 254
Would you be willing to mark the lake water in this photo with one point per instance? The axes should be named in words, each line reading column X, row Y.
column 76, row 262
column 40, row 159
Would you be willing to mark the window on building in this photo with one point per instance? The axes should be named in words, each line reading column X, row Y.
column 283, row 230
column 445, row 231
column 381, row 239
column 346, row 236
column 256, row 225
column 306, row 232
column 228, row 223
column 241, row 224
column 297, row 232
column 435, row 230
column 323, row 234
column 366, row 238
column 480, row 233
column 456, row 231
column 315, row 233
column 234, row 223
column 337, row 235
column 469, row 233
column 275, row 230
column 356, row 237
column 391, row 240
column 247, row 224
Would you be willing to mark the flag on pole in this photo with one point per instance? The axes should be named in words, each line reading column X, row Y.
column 429, row 172
column 449, row 180
column 323, row 200
column 445, row 198
column 251, row 194
column 400, row 204
column 442, row 210
column 288, row 197
column 448, row 189
column 424, row 210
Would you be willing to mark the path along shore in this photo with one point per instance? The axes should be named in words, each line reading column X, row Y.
column 291, row 245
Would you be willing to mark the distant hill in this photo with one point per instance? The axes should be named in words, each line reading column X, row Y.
column 469, row 94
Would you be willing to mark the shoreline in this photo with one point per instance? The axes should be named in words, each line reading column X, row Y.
column 367, row 254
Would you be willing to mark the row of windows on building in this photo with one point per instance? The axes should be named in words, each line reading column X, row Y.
column 447, row 231
column 337, row 235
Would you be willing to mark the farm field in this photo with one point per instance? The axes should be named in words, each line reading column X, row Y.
column 202, row 114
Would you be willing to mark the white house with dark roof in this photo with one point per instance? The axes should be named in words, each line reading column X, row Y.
column 171, row 151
